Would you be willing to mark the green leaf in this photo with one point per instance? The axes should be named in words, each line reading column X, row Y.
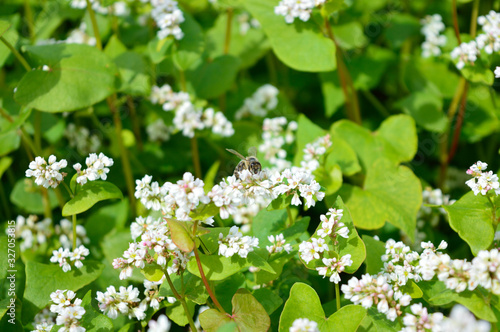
column 5, row 163
column 401, row 28
column 483, row 119
column 268, row 299
column 426, row 107
column 471, row 217
column 177, row 314
column 78, row 77
column 390, row 193
column 133, row 72
column 27, row 196
column 38, row 288
column 220, row 267
column 180, row 235
column 93, row 320
column 436, row 293
column 209, row 180
column 307, row 132
column 412, row 289
column 89, row 194
column 294, row 44
column 248, row 314
column 304, row 302
column 211, row 79
column 350, row 35
column 396, row 140
column 10, row 34
column 158, row 50
column 279, row 203
column 478, row 73
column 374, row 251
column 153, row 272
column 194, row 288
column 343, row 155
column 9, row 141
column 188, row 50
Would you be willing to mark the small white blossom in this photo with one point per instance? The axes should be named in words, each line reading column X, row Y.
column 278, row 244
column 260, row 103
column 97, row 168
column 334, row 267
column 236, row 243
column 47, row 174
column 466, row 53
column 304, row 325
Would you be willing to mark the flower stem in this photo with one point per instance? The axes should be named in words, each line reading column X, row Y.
column 493, row 212
column 196, row 157
column 127, row 170
column 229, row 23
column 455, row 20
column 182, row 301
column 18, row 55
column 473, row 19
column 38, row 130
column 350, row 95
column 458, row 124
column 135, row 122
column 202, row 274
column 337, row 296
column 97, row 36
column 29, row 20
column 74, row 231
column 290, row 217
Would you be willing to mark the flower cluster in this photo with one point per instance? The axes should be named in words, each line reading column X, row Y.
column 400, row 263
column 490, row 39
column 466, row 53
column 278, row 244
column 65, row 258
column 421, row 320
column 482, row 182
column 312, row 249
column 125, row 302
column 118, row 8
column 32, row 233
column 168, row 18
column 462, row 319
column 162, row 324
column 246, row 23
column 154, row 245
column 313, row 151
column 236, row 243
column 432, row 26
column 158, row 131
column 331, row 226
column 260, row 103
column 188, row 117
column 370, row 290
column 174, row 199
column 274, row 138
column 68, row 313
column 292, row 9
column 81, row 139
column 47, row 174
column 333, row 267
column 304, row 325
column 97, row 168
column 65, row 232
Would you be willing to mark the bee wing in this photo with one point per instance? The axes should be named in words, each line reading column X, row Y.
column 252, row 151
column 236, row 153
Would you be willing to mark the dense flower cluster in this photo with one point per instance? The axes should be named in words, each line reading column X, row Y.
column 32, row 233
column 118, row 8
column 162, row 324
column 154, row 245
column 125, row 302
column 47, row 174
column 432, row 26
column 370, row 290
column 313, row 152
column 68, row 313
column 81, row 139
column 168, row 18
column 332, row 226
column 236, row 243
column 65, row 258
column 482, row 181
column 260, row 103
column 293, row 9
column 278, row 244
column 304, row 325
column 188, row 117
column 312, row 249
column 276, row 133
column 462, row 319
column 490, row 39
column 44, row 320
column 97, row 168
column 465, row 53
column 400, row 263
column 420, row 320
column 333, row 267
column 173, row 199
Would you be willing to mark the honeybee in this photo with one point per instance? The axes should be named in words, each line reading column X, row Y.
column 250, row 163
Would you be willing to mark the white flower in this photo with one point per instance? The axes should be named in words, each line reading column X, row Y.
column 47, row 174
column 304, row 325
column 482, row 182
column 278, row 244
column 162, row 324
column 168, row 18
column 432, row 26
column 260, row 103
column 158, row 131
column 462, row 320
column 292, row 9
column 236, row 243
column 334, row 267
column 466, row 53
column 497, row 72
column 97, row 168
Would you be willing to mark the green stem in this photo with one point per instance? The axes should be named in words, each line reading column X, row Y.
column 74, row 231
column 135, row 122
column 18, row 55
column 473, row 19
column 95, row 27
column 337, row 296
column 376, row 103
column 68, row 189
column 290, row 217
column 38, row 130
column 47, row 211
column 182, row 80
column 196, row 157
column 29, row 20
column 229, row 23
column 493, row 212
column 127, row 170
column 182, row 301
column 271, row 67
column 202, row 274
column 458, row 125
column 455, row 20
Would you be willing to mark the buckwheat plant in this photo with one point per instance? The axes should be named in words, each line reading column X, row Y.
column 278, row 244
column 277, row 134
column 421, row 320
column 162, row 324
column 68, row 309
column 304, row 325
column 47, row 174
column 97, row 168
column 432, row 26
column 32, row 234
column 125, row 302
column 293, row 9
column 482, row 181
column 314, row 151
column 263, row 100
column 236, row 243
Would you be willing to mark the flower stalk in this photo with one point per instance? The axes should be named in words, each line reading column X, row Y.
column 182, row 300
